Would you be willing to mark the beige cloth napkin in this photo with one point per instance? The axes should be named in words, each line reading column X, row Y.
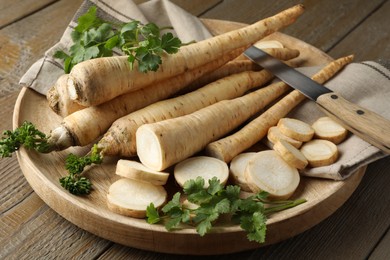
column 367, row 84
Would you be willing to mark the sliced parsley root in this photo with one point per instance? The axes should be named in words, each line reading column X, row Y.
column 251, row 213
column 131, row 197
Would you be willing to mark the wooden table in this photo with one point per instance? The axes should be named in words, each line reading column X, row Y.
column 29, row 229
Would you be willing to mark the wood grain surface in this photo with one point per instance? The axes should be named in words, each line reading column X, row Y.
column 357, row 230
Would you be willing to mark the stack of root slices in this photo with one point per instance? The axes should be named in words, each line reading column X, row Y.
column 295, row 146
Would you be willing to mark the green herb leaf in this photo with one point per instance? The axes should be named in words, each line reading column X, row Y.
column 130, row 27
column 60, row 55
column 150, row 30
column 149, row 62
column 152, row 214
column 255, row 225
column 112, row 42
column 75, row 165
column 194, row 186
column 94, row 37
column 215, row 201
column 170, row 44
column 26, row 135
column 174, row 203
column 75, row 184
column 203, row 227
column 214, row 186
column 88, row 20
column 91, row 52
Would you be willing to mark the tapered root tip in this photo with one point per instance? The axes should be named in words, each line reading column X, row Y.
column 350, row 57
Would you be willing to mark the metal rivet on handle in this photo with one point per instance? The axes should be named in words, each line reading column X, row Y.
column 334, row 96
column 360, row 112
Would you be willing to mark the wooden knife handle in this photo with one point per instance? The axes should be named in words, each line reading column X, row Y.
column 366, row 124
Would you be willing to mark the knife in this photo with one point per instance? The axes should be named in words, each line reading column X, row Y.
column 366, row 124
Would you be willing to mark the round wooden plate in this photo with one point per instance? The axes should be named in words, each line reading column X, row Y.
column 90, row 213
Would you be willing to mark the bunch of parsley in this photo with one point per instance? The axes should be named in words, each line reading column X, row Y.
column 94, row 37
column 251, row 213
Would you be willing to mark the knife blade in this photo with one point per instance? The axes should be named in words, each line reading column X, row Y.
column 366, row 124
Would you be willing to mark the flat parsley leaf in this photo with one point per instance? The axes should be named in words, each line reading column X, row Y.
column 214, row 201
column 94, row 37
column 152, row 214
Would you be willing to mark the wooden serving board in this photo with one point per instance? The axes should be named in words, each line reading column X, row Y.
column 90, row 213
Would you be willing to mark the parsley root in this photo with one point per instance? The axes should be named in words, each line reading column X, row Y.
column 226, row 148
column 81, row 127
column 120, row 139
column 88, row 80
column 159, row 147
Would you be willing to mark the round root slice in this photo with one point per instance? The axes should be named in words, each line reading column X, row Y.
column 130, row 197
column 290, row 154
column 275, row 135
column 201, row 166
column 237, row 170
column 320, row 152
column 268, row 44
column 267, row 171
column 327, row 129
column 296, row 129
column 137, row 171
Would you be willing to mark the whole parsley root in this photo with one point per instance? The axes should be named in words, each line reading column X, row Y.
column 95, row 81
column 213, row 202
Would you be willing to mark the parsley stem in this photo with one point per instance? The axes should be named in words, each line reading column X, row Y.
column 188, row 43
column 284, row 205
column 166, row 28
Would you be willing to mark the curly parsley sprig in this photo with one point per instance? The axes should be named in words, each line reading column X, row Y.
column 74, row 182
column 94, row 37
column 26, row 135
column 251, row 213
